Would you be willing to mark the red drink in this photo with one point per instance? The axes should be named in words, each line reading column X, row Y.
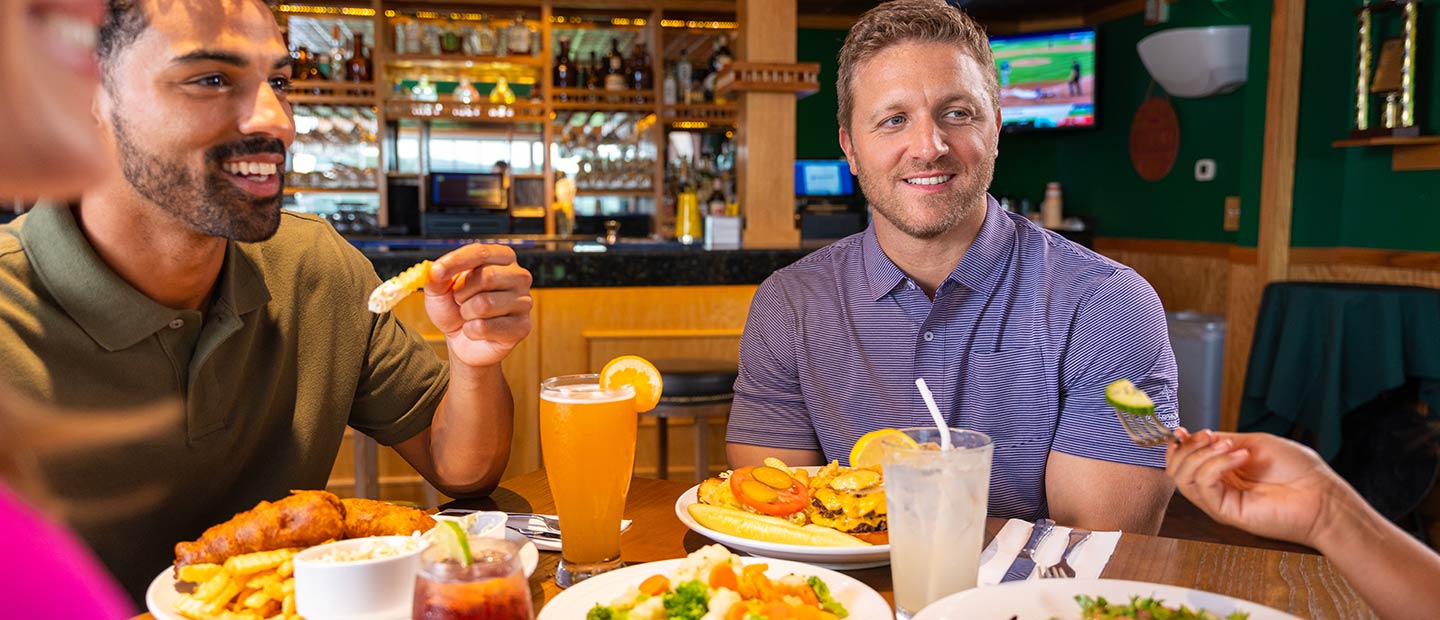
column 494, row 587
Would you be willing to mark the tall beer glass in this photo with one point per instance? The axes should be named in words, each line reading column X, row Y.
column 588, row 437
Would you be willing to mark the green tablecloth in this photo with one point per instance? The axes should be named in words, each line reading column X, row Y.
column 1322, row 350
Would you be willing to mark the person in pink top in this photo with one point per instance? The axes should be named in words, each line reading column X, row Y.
column 48, row 76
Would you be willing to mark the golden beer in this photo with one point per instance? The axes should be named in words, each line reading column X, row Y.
column 588, row 437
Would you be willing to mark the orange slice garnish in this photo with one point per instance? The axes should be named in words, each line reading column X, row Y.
column 638, row 373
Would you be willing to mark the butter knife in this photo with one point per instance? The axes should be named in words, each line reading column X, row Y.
column 1024, row 563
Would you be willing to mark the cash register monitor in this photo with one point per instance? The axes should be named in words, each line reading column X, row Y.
column 823, row 178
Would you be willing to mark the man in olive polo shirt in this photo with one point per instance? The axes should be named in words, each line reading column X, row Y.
column 180, row 279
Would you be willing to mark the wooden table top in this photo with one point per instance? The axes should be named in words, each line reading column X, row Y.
column 1302, row 584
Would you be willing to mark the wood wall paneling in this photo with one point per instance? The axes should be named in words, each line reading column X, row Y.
column 1187, row 275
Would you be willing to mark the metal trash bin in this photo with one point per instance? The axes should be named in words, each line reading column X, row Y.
column 1199, row 344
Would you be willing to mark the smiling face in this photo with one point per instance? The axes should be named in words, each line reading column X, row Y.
column 923, row 136
column 48, row 77
column 197, row 112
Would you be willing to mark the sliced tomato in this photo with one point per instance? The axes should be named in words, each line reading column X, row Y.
column 770, row 496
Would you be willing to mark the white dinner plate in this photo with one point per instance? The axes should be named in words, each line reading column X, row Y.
column 1043, row 599
column 862, row 601
column 161, row 596
column 837, row 558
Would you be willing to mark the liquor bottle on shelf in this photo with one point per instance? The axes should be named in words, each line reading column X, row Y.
column 485, row 37
column 518, row 37
column 595, row 78
column 615, row 67
column 450, row 39
column 424, row 90
column 720, row 60
column 337, row 56
column 715, row 205
column 683, row 76
column 669, row 89
column 563, row 75
column 359, row 67
column 642, row 77
column 414, row 36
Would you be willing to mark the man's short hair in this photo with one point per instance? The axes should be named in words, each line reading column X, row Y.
column 123, row 24
column 905, row 21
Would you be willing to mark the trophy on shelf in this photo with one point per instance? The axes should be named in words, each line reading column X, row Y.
column 1393, row 76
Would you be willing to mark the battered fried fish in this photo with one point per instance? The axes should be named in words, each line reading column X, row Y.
column 304, row 519
column 367, row 517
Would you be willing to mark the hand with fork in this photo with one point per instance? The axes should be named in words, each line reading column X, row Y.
column 1293, row 495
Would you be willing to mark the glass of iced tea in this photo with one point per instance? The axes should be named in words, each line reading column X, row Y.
column 492, row 587
column 588, row 437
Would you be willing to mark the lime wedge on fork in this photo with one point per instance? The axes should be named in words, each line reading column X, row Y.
column 1125, row 397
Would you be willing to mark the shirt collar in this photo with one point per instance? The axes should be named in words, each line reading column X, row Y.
column 985, row 261
column 979, row 270
column 109, row 309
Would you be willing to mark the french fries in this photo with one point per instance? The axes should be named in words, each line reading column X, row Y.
column 769, row 529
column 392, row 291
column 253, row 586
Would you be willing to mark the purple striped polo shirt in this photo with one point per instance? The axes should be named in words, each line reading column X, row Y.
column 1019, row 343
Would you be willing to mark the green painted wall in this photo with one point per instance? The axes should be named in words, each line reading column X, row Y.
column 1343, row 197
column 815, row 126
column 1350, row 197
column 1094, row 168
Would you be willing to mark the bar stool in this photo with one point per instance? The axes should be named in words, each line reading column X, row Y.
column 694, row 388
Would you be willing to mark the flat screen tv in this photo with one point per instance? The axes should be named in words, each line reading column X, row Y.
column 823, row 177
column 1047, row 79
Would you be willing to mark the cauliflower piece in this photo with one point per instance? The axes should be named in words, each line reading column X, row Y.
column 697, row 566
column 720, row 602
column 652, row 608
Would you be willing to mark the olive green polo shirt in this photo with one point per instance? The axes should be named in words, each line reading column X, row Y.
column 270, row 374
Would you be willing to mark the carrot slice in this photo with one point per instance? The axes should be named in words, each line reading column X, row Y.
column 655, row 585
column 722, row 576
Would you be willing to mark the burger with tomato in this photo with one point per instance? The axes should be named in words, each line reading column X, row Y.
column 766, row 490
column 849, row 500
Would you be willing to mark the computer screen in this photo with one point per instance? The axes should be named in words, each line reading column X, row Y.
column 823, row 177
column 479, row 190
column 1047, row 79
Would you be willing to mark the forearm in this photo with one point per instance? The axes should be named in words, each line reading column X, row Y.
column 1392, row 571
column 1105, row 496
column 470, row 435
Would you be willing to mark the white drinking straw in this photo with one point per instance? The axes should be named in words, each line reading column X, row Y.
column 935, row 414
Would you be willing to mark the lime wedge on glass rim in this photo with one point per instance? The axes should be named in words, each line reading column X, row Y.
column 452, row 539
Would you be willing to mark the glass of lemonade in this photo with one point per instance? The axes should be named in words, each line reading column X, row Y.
column 933, row 495
column 587, row 435
column 492, row 587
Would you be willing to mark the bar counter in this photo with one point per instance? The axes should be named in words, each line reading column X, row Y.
column 582, row 262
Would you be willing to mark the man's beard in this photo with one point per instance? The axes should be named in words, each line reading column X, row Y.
column 211, row 205
column 962, row 200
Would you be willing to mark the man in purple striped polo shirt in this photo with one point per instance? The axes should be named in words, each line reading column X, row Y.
column 1016, row 330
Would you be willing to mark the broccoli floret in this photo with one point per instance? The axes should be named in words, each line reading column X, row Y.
column 689, row 601
column 599, row 612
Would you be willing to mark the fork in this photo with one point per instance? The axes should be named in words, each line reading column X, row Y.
column 551, row 522
column 1062, row 569
column 1147, row 432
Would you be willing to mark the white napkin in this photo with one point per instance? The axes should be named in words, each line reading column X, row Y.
column 1088, row 559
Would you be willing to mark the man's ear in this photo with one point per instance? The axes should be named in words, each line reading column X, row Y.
column 848, row 146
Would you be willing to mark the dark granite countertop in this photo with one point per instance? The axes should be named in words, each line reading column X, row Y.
column 559, row 264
